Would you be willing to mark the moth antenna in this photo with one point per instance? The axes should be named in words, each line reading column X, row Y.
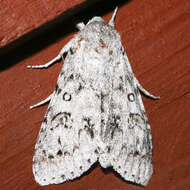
column 111, row 22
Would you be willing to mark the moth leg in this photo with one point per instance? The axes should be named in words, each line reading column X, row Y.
column 145, row 92
column 63, row 50
column 45, row 65
column 42, row 102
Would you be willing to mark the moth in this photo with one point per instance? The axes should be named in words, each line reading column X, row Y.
column 95, row 113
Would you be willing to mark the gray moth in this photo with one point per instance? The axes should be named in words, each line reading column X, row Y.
column 95, row 113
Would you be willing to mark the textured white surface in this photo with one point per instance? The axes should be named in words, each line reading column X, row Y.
column 95, row 113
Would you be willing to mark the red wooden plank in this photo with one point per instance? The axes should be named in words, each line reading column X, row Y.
column 19, row 17
column 156, row 37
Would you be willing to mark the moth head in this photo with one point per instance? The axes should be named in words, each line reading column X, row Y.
column 81, row 25
column 95, row 19
column 99, row 19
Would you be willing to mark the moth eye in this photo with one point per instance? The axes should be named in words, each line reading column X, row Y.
column 131, row 97
column 66, row 96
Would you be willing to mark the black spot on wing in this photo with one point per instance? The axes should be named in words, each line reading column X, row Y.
column 89, row 130
column 57, row 89
column 48, row 111
column 123, row 51
column 66, row 153
column 75, row 148
column 108, row 149
column 102, row 107
column 71, row 77
column 45, row 120
column 121, row 78
column 42, row 129
column 66, row 96
column 55, row 116
column 110, row 52
column 97, row 95
column 103, row 44
column 102, row 99
column 71, row 51
column 88, row 126
column 62, row 73
column 131, row 97
column 80, row 87
column 114, row 123
column 59, row 153
column 120, row 88
column 62, row 176
column 136, row 153
column 59, row 140
column 50, row 156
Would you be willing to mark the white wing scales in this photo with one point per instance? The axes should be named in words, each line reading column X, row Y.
column 95, row 113
column 134, row 159
column 66, row 146
column 127, row 132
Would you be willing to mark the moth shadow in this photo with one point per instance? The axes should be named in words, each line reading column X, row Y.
column 111, row 170
column 93, row 166
column 106, row 171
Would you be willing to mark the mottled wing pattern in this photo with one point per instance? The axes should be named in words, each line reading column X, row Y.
column 131, row 144
column 65, row 147
column 95, row 113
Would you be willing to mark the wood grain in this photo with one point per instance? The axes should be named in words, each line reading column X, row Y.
column 20, row 17
column 156, row 36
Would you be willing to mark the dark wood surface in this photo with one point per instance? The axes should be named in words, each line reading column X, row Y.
column 156, row 37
